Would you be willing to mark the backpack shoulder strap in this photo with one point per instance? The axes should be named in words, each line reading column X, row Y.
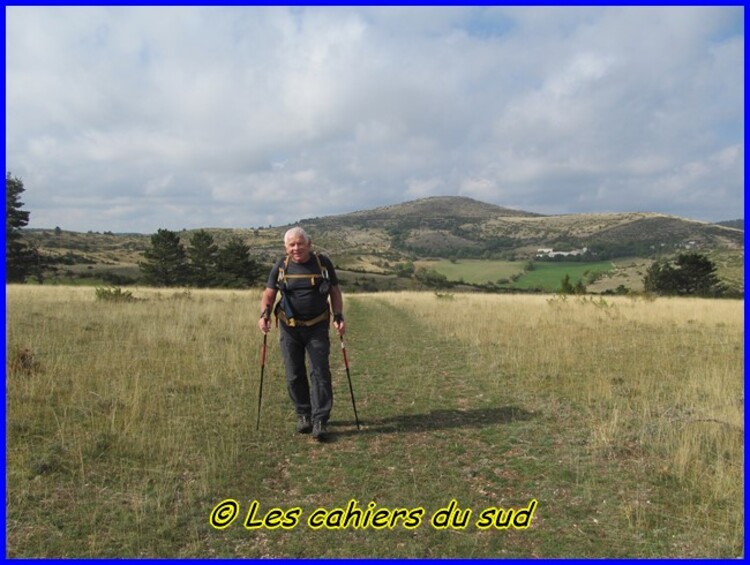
column 282, row 270
column 323, row 270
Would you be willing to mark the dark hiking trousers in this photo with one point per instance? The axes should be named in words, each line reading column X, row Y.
column 316, row 396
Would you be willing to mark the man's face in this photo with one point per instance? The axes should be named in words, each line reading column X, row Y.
column 298, row 248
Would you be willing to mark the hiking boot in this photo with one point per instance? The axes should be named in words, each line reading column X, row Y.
column 320, row 430
column 304, row 425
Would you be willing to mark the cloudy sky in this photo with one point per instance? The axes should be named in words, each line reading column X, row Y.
column 131, row 119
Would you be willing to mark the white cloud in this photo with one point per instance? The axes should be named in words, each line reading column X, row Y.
column 260, row 115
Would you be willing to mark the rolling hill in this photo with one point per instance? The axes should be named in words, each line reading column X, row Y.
column 376, row 240
column 449, row 226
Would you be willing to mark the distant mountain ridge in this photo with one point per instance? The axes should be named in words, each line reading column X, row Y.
column 439, row 226
column 451, row 225
column 736, row 224
column 381, row 241
column 443, row 206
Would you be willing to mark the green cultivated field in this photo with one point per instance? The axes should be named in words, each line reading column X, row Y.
column 474, row 271
column 548, row 276
column 607, row 428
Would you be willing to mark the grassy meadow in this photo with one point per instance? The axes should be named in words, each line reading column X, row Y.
column 545, row 276
column 130, row 428
column 549, row 276
column 475, row 271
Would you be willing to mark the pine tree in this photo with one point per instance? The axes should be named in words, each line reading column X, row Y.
column 20, row 259
column 203, row 254
column 166, row 260
column 692, row 274
column 235, row 267
column 697, row 275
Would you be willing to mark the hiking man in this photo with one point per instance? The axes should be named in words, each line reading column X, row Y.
column 306, row 280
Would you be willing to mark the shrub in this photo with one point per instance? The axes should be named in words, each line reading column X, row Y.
column 23, row 361
column 114, row 295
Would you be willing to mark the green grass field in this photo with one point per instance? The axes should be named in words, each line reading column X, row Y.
column 548, row 276
column 474, row 271
column 545, row 276
column 131, row 429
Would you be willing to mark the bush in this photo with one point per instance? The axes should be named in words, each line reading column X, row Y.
column 431, row 278
column 23, row 361
column 114, row 295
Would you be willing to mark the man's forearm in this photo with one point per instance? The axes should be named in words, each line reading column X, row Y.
column 266, row 302
column 337, row 300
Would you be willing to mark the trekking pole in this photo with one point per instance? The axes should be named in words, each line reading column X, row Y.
column 349, row 378
column 262, row 368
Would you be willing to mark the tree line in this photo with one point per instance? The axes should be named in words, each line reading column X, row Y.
column 166, row 262
column 202, row 264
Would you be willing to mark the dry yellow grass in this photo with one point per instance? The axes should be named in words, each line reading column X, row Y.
column 126, row 421
column 109, row 372
column 664, row 375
